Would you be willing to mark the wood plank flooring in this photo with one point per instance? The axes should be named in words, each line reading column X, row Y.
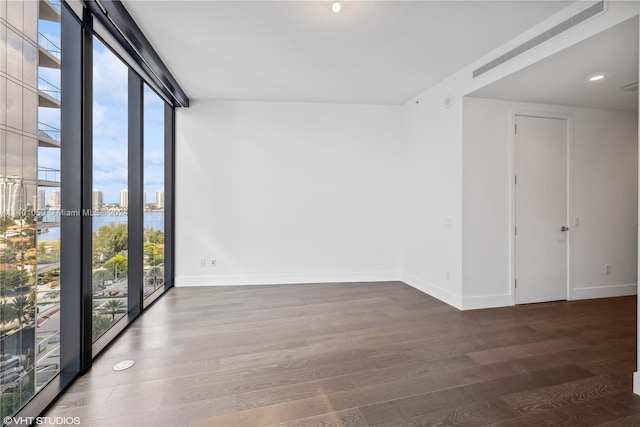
column 362, row 354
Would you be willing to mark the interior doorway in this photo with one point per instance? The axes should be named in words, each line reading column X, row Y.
column 541, row 209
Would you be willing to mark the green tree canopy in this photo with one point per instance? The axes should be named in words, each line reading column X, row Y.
column 110, row 240
column 118, row 264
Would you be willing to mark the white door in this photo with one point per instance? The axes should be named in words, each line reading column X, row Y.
column 541, row 232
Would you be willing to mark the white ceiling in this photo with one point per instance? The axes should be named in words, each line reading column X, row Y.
column 563, row 78
column 373, row 52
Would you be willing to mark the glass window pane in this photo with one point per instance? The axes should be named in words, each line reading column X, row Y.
column 14, row 155
column 30, row 19
column 3, row 100
column 3, row 157
column 110, row 177
column 153, row 185
column 14, row 14
column 29, row 355
column 30, row 65
column 29, row 111
column 14, row 54
column 3, row 46
column 48, row 250
column 14, row 105
column 29, row 159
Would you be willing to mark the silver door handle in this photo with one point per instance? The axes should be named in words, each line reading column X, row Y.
column 564, row 228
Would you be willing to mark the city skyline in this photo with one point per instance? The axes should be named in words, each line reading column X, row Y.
column 99, row 200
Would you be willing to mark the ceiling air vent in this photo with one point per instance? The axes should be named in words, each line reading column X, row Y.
column 541, row 38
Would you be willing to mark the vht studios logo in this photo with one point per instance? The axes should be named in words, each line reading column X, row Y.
column 28, row 421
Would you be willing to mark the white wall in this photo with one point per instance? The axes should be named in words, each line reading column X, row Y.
column 435, row 164
column 432, row 206
column 604, row 198
column 286, row 193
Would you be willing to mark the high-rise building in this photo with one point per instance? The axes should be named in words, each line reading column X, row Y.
column 144, row 198
column 160, row 199
column 54, row 199
column 98, row 200
column 41, row 202
column 124, row 199
column 13, row 196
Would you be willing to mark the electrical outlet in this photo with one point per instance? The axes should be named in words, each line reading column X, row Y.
column 203, row 262
column 213, row 262
column 607, row 269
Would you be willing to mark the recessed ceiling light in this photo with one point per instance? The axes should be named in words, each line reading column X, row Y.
column 336, row 6
column 596, row 78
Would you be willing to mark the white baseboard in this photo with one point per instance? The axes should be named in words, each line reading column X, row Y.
column 486, row 301
column 285, row 279
column 604, row 291
column 636, row 383
column 433, row 290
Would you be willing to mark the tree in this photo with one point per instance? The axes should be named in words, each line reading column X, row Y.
column 117, row 264
column 110, row 240
column 113, row 307
column 154, row 275
column 21, row 306
column 154, row 254
column 7, row 312
column 5, row 222
column 13, row 278
column 153, row 235
column 101, row 275
column 100, row 324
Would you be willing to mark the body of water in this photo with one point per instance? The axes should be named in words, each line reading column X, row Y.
column 154, row 220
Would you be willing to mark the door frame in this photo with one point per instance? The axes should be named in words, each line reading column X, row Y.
column 512, row 194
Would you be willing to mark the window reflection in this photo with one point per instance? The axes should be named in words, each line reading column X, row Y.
column 14, row 105
column 14, row 54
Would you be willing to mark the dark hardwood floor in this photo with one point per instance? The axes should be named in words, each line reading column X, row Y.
column 362, row 354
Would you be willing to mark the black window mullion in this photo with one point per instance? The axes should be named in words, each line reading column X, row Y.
column 169, row 184
column 71, row 84
column 135, row 204
column 76, row 160
column 87, row 192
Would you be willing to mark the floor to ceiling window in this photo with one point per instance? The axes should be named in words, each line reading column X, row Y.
column 47, row 351
column 153, row 167
column 110, row 201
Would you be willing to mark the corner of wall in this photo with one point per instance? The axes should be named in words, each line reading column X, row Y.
column 433, row 290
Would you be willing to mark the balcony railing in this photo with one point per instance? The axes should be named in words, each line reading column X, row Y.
column 48, row 131
column 49, row 88
column 48, row 174
column 48, row 45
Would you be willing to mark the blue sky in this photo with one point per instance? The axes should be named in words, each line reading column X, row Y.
column 110, row 77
